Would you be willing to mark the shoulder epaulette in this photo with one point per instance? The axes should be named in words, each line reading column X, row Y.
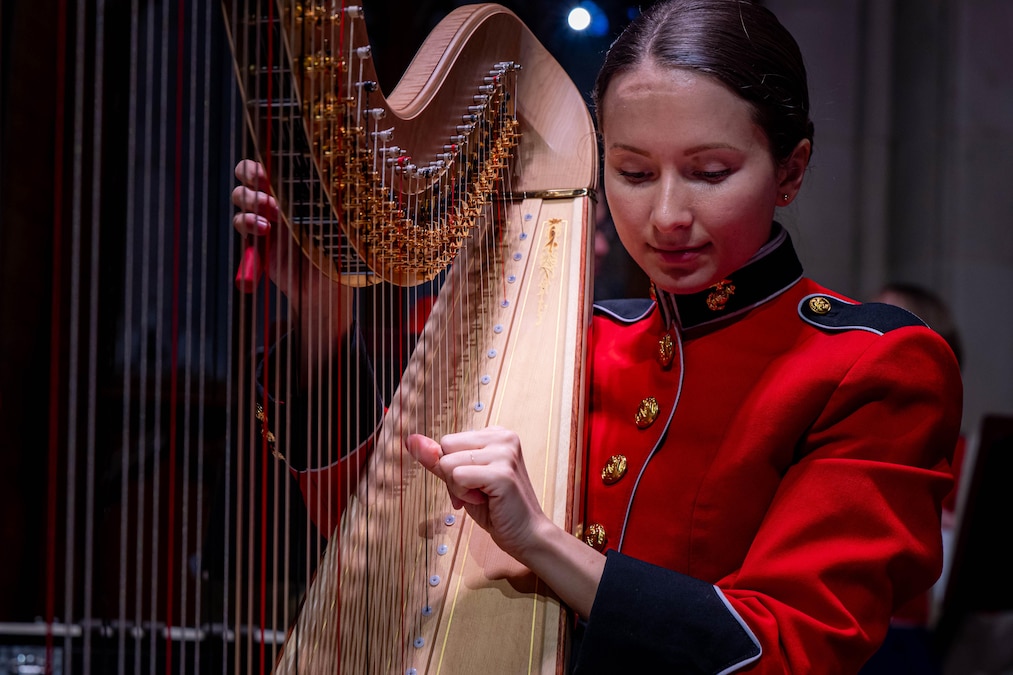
column 627, row 310
column 830, row 313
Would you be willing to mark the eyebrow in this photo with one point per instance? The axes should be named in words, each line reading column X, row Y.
column 710, row 146
column 689, row 151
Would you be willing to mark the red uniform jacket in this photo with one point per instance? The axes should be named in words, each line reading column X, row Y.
column 785, row 498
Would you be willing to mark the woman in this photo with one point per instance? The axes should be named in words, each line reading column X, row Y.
column 766, row 458
column 785, row 457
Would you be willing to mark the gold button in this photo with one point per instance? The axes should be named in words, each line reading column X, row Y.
column 647, row 412
column 595, row 536
column 614, row 469
column 666, row 350
column 819, row 305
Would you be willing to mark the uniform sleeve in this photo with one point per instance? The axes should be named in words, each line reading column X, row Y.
column 323, row 474
column 354, row 412
column 852, row 533
column 648, row 619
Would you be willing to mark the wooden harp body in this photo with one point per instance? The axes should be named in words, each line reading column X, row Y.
column 474, row 176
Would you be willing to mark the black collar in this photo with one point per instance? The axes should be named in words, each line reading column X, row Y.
column 773, row 269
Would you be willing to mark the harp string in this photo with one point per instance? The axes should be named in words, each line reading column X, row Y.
column 246, row 438
column 57, row 370
column 135, row 372
column 176, row 79
column 93, row 295
column 128, row 335
column 75, row 346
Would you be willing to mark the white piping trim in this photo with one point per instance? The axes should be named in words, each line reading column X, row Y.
column 745, row 627
column 769, row 246
column 625, row 319
column 661, row 437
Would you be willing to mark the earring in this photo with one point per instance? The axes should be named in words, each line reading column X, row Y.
column 785, row 197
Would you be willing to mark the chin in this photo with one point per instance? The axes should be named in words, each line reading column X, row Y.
column 684, row 285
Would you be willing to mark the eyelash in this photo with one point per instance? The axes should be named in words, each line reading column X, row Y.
column 633, row 175
column 710, row 176
column 714, row 175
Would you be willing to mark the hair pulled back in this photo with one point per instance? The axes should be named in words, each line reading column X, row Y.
column 737, row 42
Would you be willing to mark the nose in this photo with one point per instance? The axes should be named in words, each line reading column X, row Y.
column 672, row 205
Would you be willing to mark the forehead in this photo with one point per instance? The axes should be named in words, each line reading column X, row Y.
column 649, row 80
column 650, row 98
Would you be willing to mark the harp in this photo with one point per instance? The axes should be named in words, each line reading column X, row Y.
column 458, row 205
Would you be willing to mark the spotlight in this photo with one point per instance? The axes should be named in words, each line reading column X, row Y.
column 590, row 17
column 579, row 18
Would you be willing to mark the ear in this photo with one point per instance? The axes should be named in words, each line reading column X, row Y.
column 792, row 171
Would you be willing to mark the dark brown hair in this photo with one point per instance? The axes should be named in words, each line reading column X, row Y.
column 739, row 43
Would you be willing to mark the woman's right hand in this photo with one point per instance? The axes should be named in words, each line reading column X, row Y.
column 484, row 472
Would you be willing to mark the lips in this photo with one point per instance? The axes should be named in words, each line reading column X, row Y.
column 680, row 254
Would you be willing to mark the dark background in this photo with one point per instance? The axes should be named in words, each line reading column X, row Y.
column 87, row 301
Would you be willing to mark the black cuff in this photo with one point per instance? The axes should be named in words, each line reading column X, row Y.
column 647, row 618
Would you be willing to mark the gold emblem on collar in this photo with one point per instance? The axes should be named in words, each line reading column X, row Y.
column 666, row 350
column 718, row 297
column 647, row 413
column 819, row 305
